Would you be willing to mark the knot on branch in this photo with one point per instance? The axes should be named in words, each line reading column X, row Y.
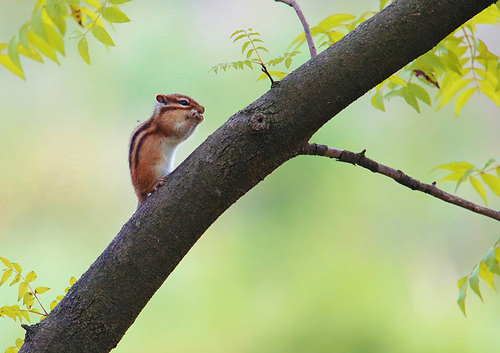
column 258, row 123
column 408, row 181
column 359, row 159
column 30, row 331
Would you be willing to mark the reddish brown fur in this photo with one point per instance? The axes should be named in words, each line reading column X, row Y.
column 153, row 143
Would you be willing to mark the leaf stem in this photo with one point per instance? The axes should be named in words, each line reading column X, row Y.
column 260, row 61
column 98, row 15
column 471, row 48
column 34, row 294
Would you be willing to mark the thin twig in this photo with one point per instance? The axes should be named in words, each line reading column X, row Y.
column 264, row 70
column 307, row 30
column 403, row 179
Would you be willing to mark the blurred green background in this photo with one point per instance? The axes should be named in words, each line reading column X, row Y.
column 319, row 257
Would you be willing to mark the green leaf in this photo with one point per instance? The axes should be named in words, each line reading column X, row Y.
column 57, row 12
column 112, row 14
column 298, row 41
column 76, row 34
column 14, row 52
column 263, row 48
column 73, row 2
column 474, row 282
column 378, row 101
column 433, row 61
column 491, row 261
column 411, row 99
column 382, row 4
column 490, row 162
column 32, row 53
column 463, row 98
column 83, row 49
column 487, row 275
column 479, row 188
column 465, row 176
column 335, row 20
column 19, row 342
column 493, row 182
column 449, row 92
column 102, row 35
column 244, row 46
column 30, row 277
column 489, row 91
column 239, row 37
column 420, row 92
column 94, row 3
column 41, row 290
column 288, row 62
column 55, row 39
column 462, row 293
column 249, row 53
column 394, row 93
column 262, row 77
column 278, row 74
column 17, row 267
column 248, row 63
column 17, row 278
column 23, row 289
column 23, row 36
column 459, row 169
column 451, row 61
column 37, row 23
column 236, row 32
column 6, row 262
column 397, row 80
column 6, row 275
column 42, row 46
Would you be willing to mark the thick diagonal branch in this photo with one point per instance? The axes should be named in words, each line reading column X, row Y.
column 360, row 159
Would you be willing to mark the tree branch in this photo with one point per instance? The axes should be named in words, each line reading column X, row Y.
column 105, row 301
column 360, row 159
column 307, row 30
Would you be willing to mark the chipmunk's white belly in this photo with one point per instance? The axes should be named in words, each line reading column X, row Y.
column 168, row 149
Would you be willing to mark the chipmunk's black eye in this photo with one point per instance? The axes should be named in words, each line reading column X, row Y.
column 184, row 102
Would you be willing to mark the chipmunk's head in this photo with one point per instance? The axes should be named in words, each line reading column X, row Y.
column 178, row 115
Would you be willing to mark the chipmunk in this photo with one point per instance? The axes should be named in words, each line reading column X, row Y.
column 154, row 142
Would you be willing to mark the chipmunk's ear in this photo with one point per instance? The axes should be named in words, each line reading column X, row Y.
column 161, row 98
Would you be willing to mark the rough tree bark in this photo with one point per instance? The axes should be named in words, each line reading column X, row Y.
column 102, row 305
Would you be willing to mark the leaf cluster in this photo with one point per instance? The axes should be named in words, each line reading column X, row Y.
column 42, row 36
column 486, row 269
column 458, row 67
column 489, row 266
column 27, row 294
column 25, row 291
column 17, row 347
column 252, row 48
column 463, row 171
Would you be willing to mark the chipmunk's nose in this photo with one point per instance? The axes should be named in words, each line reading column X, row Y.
column 195, row 114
